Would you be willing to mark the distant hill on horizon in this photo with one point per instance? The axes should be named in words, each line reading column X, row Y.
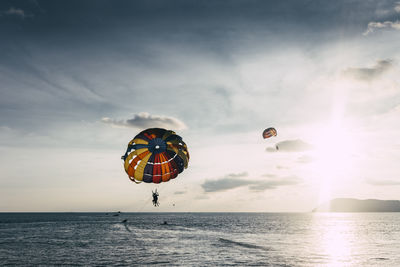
column 357, row 205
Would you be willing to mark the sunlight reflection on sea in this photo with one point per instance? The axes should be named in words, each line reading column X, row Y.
column 200, row 239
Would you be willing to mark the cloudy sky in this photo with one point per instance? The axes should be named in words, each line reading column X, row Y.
column 79, row 79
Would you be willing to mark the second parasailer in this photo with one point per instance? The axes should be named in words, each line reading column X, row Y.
column 269, row 132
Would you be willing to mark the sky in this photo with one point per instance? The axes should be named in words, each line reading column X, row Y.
column 79, row 79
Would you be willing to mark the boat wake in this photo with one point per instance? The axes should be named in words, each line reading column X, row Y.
column 242, row 244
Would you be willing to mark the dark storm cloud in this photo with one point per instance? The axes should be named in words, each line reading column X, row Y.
column 369, row 74
column 145, row 120
column 210, row 19
column 296, row 145
column 73, row 60
column 232, row 181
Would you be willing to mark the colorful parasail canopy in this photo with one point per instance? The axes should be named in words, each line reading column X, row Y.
column 155, row 155
column 269, row 132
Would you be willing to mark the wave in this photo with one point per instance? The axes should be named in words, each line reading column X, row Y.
column 242, row 244
column 127, row 229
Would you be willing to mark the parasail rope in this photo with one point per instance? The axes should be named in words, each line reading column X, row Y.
column 159, row 190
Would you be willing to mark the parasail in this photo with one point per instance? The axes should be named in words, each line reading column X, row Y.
column 269, row 132
column 155, row 155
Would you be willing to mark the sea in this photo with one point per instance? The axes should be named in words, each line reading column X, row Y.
column 199, row 239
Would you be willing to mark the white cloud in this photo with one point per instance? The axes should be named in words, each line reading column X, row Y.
column 179, row 192
column 372, row 26
column 274, row 183
column 382, row 182
column 232, row 181
column 296, row 145
column 229, row 181
column 397, row 7
column 16, row 12
column 145, row 120
column 271, row 149
column 305, row 159
column 368, row 74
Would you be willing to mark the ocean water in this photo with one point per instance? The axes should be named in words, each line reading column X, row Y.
column 200, row 239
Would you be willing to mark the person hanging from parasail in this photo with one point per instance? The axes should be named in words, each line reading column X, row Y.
column 155, row 198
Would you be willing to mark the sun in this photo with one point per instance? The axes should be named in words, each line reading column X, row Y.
column 333, row 154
